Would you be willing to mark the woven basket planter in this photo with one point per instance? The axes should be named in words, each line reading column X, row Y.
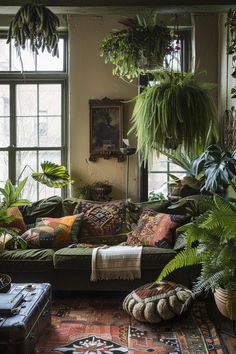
column 5, row 283
column 155, row 302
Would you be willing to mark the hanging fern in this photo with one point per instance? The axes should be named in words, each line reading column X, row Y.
column 177, row 111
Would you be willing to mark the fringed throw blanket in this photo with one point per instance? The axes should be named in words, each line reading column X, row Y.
column 116, row 262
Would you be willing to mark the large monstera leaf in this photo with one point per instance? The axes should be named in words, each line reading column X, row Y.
column 53, row 175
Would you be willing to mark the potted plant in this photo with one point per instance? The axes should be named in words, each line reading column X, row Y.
column 11, row 199
column 138, row 48
column 211, row 242
column 218, row 167
column 36, row 24
column 176, row 111
column 231, row 43
column 53, row 175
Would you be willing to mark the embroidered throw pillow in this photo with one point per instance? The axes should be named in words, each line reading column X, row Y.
column 155, row 229
column 104, row 218
column 54, row 232
column 18, row 223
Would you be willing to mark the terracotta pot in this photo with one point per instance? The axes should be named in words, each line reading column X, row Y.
column 226, row 302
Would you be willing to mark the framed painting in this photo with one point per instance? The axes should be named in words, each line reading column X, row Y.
column 106, row 129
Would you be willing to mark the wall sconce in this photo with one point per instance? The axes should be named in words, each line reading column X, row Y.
column 127, row 151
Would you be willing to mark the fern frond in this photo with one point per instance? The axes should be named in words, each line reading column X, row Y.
column 185, row 258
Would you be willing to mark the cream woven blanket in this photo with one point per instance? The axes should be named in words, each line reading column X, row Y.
column 116, row 262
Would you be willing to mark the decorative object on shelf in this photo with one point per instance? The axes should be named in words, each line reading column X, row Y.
column 53, row 175
column 210, row 241
column 36, row 24
column 97, row 191
column 231, row 43
column 156, row 302
column 5, row 283
column 106, row 129
column 127, row 151
column 138, row 48
column 163, row 121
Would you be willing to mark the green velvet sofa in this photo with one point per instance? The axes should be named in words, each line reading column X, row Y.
column 70, row 268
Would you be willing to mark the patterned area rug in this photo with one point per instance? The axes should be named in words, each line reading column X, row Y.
column 101, row 327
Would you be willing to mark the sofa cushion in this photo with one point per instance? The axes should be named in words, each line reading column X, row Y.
column 18, row 223
column 54, row 232
column 49, row 207
column 155, row 229
column 103, row 219
column 26, row 260
column 80, row 258
column 136, row 208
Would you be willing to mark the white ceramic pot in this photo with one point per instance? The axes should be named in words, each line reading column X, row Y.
column 226, row 302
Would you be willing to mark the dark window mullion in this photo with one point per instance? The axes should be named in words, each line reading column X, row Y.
column 13, row 127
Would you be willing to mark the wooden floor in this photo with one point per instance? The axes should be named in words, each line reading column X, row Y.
column 225, row 327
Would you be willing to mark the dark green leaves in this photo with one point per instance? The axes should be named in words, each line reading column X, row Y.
column 177, row 111
column 53, row 175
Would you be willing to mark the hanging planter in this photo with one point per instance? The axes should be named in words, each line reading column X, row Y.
column 36, row 24
column 177, row 111
column 137, row 49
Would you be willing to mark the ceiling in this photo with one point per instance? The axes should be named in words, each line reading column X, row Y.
column 123, row 6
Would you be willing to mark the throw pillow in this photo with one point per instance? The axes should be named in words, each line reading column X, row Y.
column 6, row 242
column 155, row 229
column 156, row 302
column 104, row 218
column 18, row 223
column 54, row 232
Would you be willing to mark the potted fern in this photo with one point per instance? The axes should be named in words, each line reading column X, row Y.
column 138, row 48
column 211, row 242
column 176, row 111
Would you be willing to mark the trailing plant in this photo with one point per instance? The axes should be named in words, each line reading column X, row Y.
column 36, row 24
column 231, row 44
column 11, row 199
column 132, row 50
column 177, row 111
column 53, row 175
column 218, row 167
column 210, row 242
column 156, row 196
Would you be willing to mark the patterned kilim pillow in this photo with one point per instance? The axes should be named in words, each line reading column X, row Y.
column 104, row 219
column 18, row 223
column 54, row 232
column 155, row 229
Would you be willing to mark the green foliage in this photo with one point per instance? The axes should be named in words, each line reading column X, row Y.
column 130, row 49
column 156, row 196
column 231, row 45
column 53, row 175
column 11, row 199
column 218, row 167
column 211, row 242
column 177, row 111
column 37, row 24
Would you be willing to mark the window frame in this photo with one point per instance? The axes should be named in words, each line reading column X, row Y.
column 14, row 78
column 185, row 34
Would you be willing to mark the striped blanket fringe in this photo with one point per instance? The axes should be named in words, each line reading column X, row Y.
column 116, row 262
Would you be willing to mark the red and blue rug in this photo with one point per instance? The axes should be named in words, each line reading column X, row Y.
column 102, row 327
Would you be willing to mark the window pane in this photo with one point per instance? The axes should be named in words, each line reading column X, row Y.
column 4, row 100
column 46, row 62
column 157, row 182
column 4, row 55
column 52, row 156
column 26, row 100
column 4, row 132
column 4, row 167
column 174, row 167
column 50, row 131
column 26, row 161
column 159, row 164
column 27, row 134
column 27, row 57
column 49, row 100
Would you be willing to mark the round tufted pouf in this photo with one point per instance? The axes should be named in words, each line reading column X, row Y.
column 155, row 302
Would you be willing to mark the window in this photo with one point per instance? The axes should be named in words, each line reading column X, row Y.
column 157, row 178
column 32, row 115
